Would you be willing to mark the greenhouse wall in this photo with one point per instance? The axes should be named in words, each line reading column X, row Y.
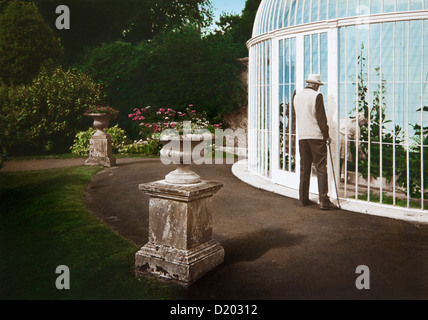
column 373, row 58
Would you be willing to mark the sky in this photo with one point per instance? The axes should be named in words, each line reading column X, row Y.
column 229, row 6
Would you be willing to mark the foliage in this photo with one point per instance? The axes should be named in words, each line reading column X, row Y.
column 104, row 21
column 149, row 147
column 81, row 142
column 122, row 68
column 184, row 64
column 45, row 115
column 386, row 147
column 155, row 120
column 168, row 70
column 26, row 43
column 239, row 27
column 114, row 113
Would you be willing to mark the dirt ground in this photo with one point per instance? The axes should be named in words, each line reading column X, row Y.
column 276, row 250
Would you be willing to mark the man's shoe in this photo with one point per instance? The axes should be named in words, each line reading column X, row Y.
column 307, row 203
column 328, row 205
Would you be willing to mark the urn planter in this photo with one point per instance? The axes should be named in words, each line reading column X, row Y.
column 100, row 144
column 182, row 151
column 181, row 247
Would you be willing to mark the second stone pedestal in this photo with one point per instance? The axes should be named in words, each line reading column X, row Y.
column 181, row 247
column 100, row 151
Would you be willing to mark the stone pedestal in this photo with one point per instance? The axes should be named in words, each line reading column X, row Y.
column 180, row 247
column 100, row 151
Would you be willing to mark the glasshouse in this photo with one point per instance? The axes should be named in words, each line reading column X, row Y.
column 372, row 56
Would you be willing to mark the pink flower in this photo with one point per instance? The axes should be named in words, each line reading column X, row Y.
column 193, row 111
column 182, row 115
column 141, row 118
column 190, row 105
column 130, row 116
column 173, row 125
column 161, row 110
column 216, row 126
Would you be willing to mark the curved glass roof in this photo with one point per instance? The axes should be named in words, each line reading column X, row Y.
column 277, row 14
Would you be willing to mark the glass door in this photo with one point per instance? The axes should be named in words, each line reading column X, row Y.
column 297, row 57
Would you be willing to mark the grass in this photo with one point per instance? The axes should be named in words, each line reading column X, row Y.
column 44, row 223
column 389, row 200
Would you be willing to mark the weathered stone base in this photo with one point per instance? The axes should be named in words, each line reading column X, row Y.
column 180, row 247
column 100, row 151
column 183, row 267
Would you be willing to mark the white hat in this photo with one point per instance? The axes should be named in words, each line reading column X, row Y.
column 314, row 78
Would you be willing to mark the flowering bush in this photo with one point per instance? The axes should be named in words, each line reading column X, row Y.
column 81, row 142
column 104, row 110
column 155, row 120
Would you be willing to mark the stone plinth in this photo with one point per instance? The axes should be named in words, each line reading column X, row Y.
column 100, row 151
column 180, row 247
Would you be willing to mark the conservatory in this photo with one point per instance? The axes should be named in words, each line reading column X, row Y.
column 373, row 58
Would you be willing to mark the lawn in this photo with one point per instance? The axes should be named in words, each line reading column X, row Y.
column 44, row 223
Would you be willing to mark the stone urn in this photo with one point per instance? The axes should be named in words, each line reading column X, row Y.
column 181, row 247
column 101, row 121
column 183, row 151
column 100, row 144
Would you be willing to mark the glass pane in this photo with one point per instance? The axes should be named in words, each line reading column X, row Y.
column 351, row 55
column 387, row 51
column 342, row 8
column 299, row 12
column 306, row 11
column 315, row 54
column 285, row 14
column 342, row 54
column 426, row 5
column 364, row 7
column 323, row 10
column 275, row 15
column 353, row 7
column 402, row 5
column 332, row 9
column 293, row 13
column 416, row 4
column 400, row 51
column 376, row 6
column 314, row 14
column 415, row 51
column 293, row 60
column 324, row 57
column 307, row 56
column 287, row 61
column 389, row 6
column 374, row 54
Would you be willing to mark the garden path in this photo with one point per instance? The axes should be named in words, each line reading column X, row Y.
column 275, row 249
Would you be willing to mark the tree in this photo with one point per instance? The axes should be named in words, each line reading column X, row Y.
column 104, row 21
column 240, row 27
column 26, row 43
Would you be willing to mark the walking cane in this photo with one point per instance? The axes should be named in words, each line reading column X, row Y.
column 334, row 175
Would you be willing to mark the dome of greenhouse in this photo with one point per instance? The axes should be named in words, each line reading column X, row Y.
column 277, row 14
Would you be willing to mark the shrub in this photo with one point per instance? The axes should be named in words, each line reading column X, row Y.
column 81, row 142
column 47, row 114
